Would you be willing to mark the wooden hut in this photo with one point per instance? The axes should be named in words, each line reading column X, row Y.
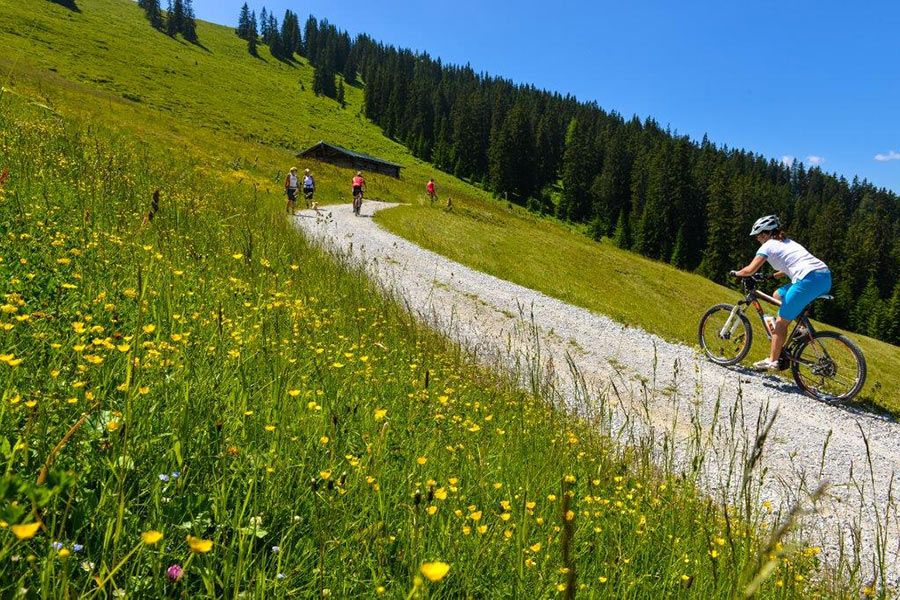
column 348, row 158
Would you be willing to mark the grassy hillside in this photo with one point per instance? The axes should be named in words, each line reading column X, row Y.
column 244, row 117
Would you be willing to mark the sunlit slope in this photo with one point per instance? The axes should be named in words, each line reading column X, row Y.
column 245, row 116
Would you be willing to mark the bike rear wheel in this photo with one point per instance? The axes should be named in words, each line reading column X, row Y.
column 725, row 346
column 829, row 367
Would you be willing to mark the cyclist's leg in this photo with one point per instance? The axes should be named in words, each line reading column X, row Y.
column 796, row 298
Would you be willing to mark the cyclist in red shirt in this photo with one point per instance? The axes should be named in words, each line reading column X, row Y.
column 358, row 183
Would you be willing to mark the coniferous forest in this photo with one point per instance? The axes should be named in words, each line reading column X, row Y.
column 645, row 188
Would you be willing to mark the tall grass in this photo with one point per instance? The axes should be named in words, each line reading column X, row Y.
column 208, row 376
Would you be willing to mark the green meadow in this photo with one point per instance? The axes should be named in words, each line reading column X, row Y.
column 196, row 402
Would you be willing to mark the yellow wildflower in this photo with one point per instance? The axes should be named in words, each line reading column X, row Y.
column 26, row 531
column 151, row 537
column 198, row 545
column 435, row 571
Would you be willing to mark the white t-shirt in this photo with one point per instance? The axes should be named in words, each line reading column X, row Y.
column 790, row 258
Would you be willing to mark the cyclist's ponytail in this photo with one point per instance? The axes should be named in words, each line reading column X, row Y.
column 779, row 234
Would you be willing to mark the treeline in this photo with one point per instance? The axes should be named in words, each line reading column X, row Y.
column 644, row 187
column 326, row 48
column 178, row 18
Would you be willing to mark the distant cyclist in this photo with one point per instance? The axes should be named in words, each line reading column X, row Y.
column 429, row 188
column 359, row 188
column 359, row 184
column 810, row 278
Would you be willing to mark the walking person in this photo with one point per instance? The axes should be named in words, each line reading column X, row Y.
column 810, row 278
column 309, row 187
column 291, row 183
column 429, row 188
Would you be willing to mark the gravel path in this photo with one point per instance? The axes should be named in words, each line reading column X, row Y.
column 655, row 392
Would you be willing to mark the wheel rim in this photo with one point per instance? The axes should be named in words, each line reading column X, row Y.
column 726, row 348
column 828, row 368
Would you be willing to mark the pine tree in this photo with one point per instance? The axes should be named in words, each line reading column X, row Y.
column 577, row 164
column 263, row 23
column 622, row 234
column 611, row 191
column 679, row 256
column 189, row 22
column 290, row 34
column 510, row 154
column 153, row 11
column 340, row 94
column 323, row 82
column 716, row 260
column 243, row 28
column 252, row 34
column 864, row 316
column 272, row 38
column 311, row 40
column 891, row 331
column 171, row 20
column 349, row 70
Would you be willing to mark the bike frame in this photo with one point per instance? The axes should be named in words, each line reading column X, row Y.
column 753, row 298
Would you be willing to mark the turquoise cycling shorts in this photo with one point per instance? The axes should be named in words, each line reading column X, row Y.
column 797, row 296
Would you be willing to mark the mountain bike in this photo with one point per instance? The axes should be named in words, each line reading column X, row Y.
column 357, row 202
column 825, row 364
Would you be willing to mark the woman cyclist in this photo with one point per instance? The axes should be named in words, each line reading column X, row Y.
column 810, row 278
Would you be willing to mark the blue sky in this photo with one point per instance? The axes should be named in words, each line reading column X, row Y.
column 819, row 81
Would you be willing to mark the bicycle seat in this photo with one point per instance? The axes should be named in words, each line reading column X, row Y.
column 825, row 297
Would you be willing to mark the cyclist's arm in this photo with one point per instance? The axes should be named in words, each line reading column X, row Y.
column 754, row 266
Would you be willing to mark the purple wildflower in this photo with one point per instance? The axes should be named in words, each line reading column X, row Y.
column 175, row 572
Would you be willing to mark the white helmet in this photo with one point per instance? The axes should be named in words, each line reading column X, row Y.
column 767, row 223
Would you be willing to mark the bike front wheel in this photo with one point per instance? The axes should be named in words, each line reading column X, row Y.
column 829, row 367
column 725, row 339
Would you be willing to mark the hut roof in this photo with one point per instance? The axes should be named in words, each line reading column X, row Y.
column 359, row 155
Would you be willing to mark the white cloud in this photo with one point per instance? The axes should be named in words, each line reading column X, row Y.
column 787, row 160
column 892, row 155
column 815, row 160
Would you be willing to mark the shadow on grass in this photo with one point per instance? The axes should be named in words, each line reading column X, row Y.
column 197, row 44
column 70, row 4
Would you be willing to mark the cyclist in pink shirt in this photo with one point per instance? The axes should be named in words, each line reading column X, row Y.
column 358, row 183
